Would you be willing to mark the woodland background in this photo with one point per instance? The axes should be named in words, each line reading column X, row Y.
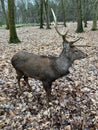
column 75, row 103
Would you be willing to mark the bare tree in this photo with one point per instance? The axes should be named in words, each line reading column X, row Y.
column 85, row 12
column 63, row 12
column 13, row 34
column 47, row 13
column 41, row 13
column 79, row 17
column 23, row 11
column 4, row 13
column 95, row 14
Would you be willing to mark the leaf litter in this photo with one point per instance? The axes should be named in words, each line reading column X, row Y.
column 75, row 96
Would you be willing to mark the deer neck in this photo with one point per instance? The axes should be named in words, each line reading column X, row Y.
column 63, row 62
column 65, row 54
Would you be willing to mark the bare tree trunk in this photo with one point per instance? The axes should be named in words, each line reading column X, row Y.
column 13, row 34
column 85, row 12
column 47, row 13
column 41, row 13
column 5, row 15
column 95, row 14
column 63, row 11
column 79, row 17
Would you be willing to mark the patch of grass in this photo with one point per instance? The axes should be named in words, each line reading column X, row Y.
column 21, row 25
column 93, row 29
column 3, row 26
column 30, row 24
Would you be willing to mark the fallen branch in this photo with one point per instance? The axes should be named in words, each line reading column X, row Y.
column 85, row 46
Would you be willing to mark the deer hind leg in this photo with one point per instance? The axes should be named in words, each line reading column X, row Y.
column 19, row 76
column 26, row 80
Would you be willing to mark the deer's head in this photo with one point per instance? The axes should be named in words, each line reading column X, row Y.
column 69, row 49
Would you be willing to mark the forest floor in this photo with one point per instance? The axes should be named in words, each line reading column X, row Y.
column 75, row 102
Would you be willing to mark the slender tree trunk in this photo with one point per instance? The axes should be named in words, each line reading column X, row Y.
column 41, row 13
column 47, row 13
column 13, row 34
column 85, row 12
column 63, row 11
column 5, row 15
column 95, row 14
column 79, row 17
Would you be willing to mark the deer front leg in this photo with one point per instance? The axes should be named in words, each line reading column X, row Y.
column 47, row 87
column 19, row 76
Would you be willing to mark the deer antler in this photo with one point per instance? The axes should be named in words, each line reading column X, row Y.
column 64, row 35
column 55, row 25
column 71, row 42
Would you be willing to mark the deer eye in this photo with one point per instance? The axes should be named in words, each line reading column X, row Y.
column 72, row 46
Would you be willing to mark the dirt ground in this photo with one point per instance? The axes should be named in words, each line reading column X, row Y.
column 75, row 101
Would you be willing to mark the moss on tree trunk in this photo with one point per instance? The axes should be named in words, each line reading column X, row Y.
column 13, row 35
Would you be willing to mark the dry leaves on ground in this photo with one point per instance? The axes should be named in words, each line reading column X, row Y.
column 75, row 97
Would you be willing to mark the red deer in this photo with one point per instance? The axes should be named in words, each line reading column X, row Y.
column 46, row 68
